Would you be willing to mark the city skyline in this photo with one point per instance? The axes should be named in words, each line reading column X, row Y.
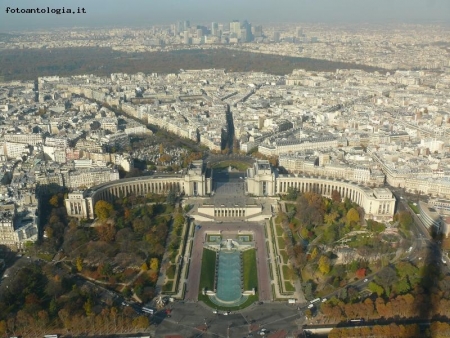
column 115, row 14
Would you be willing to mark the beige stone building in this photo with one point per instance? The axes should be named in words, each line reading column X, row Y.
column 194, row 182
column 378, row 203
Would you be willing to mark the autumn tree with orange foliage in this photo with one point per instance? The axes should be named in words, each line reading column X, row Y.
column 106, row 232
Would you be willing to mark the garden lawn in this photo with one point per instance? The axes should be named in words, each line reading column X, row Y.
column 250, row 273
column 208, row 270
column 284, row 254
column 288, row 287
column 281, row 243
column 170, row 272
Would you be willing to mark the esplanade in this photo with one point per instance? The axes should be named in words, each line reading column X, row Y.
column 261, row 181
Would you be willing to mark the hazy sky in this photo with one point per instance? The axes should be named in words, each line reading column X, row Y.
column 148, row 12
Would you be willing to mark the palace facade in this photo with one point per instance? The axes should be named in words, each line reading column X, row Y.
column 261, row 181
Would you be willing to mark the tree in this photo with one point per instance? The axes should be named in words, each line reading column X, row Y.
column 314, row 252
column 88, row 307
column 141, row 322
column 106, row 232
column 375, row 288
column 361, row 273
column 331, row 217
column 154, row 264
column 309, row 291
column 352, row 217
column 330, row 234
column 405, row 220
column 324, row 265
column 54, row 201
column 127, row 292
column 3, row 327
column 375, row 226
column 336, row 196
column 43, row 318
column 165, row 158
column 171, row 197
column 402, row 286
column 273, row 160
column 103, row 209
column 52, row 308
column 386, row 278
column 105, row 269
column 79, row 264
column 292, row 194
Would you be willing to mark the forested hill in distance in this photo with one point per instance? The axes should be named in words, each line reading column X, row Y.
column 28, row 64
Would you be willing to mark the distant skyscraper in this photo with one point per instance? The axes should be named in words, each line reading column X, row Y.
column 214, row 29
column 174, row 29
column 246, row 32
column 221, row 29
column 276, row 36
column 235, row 27
column 257, row 31
column 186, row 39
column 243, row 35
column 180, row 26
column 199, row 32
column 186, row 25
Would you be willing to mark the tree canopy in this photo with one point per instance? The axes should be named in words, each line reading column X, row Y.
column 103, row 210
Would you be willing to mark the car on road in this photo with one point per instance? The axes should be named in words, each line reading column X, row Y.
column 324, row 300
column 366, row 280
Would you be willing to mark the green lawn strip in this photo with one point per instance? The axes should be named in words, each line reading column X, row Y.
column 289, row 287
column 250, row 273
column 45, row 257
column 208, row 270
column 279, row 230
column 286, row 272
column 205, row 299
column 167, row 287
column 281, row 243
column 173, row 255
column 170, row 272
column 415, row 208
column 284, row 255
